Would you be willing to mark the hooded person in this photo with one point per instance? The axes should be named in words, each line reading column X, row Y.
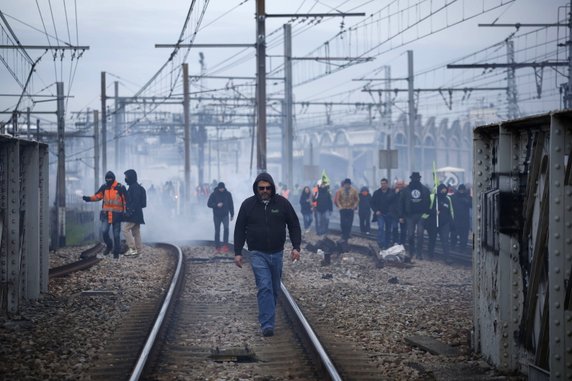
column 439, row 220
column 220, row 201
column 114, row 197
column 133, row 219
column 261, row 222
column 413, row 204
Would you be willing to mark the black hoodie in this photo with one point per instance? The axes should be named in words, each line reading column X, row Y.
column 136, row 199
column 263, row 226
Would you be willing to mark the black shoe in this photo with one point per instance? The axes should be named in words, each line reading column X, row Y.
column 107, row 250
column 115, row 256
column 267, row 332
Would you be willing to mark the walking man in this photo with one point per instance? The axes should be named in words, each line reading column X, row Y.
column 114, row 197
column 133, row 219
column 221, row 203
column 347, row 201
column 261, row 223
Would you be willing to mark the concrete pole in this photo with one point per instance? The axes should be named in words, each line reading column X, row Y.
column 261, row 86
column 187, row 128
column 103, row 124
column 412, row 114
column 288, row 159
column 61, row 171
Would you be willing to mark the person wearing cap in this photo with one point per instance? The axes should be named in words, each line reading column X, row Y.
column 114, row 196
column 133, row 217
column 382, row 201
column 439, row 220
column 462, row 204
column 413, row 204
column 261, row 223
column 346, row 200
column 221, row 203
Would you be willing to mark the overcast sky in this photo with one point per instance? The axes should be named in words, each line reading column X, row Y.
column 121, row 35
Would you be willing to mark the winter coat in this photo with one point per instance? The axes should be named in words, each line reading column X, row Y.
column 347, row 198
column 306, row 203
column 227, row 205
column 414, row 199
column 364, row 201
column 462, row 204
column 136, row 199
column 382, row 201
column 263, row 225
column 324, row 200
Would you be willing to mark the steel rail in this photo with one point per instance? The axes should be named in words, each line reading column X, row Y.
column 317, row 347
column 177, row 276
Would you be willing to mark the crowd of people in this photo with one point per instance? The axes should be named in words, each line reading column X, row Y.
column 403, row 213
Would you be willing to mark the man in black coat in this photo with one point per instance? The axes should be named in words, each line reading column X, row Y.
column 221, row 203
column 261, row 223
column 133, row 217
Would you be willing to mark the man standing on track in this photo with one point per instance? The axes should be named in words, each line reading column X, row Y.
column 261, row 223
column 133, row 218
column 114, row 197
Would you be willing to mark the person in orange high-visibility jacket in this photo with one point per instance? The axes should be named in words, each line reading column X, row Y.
column 114, row 196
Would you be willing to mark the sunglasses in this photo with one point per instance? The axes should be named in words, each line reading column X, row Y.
column 265, row 188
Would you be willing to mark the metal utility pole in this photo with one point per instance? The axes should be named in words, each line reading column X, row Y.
column 61, row 171
column 103, row 123
column 412, row 112
column 261, row 86
column 288, row 141
column 187, row 128
column 116, row 124
column 511, row 91
column 28, row 121
column 96, row 149
column 201, row 136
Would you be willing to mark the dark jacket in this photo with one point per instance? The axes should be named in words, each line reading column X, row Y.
column 263, row 226
column 227, row 205
column 136, row 199
column 446, row 211
column 324, row 200
column 306, row 202
column 414, row 199
column 364, row 201
column 383, row 201
column 462, row 203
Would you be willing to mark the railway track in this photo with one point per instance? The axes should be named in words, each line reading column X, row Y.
column 88, row 258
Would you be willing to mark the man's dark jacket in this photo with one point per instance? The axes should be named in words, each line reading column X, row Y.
column 136, row 199
column 227, row 206
column 263, row 226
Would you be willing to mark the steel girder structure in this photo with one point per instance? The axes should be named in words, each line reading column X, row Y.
column 522, row 255
column 24, row 222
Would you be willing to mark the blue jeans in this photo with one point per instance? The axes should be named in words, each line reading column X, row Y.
column 307, row 220
column 116, row 243
column 217, row 221
column 322, row 222
column 384, row 225
column 267, row 270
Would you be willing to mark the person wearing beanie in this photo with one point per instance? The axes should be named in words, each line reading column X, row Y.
column 131, row 225
column 220, row 201
column 114, row 197
column 261, row 223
